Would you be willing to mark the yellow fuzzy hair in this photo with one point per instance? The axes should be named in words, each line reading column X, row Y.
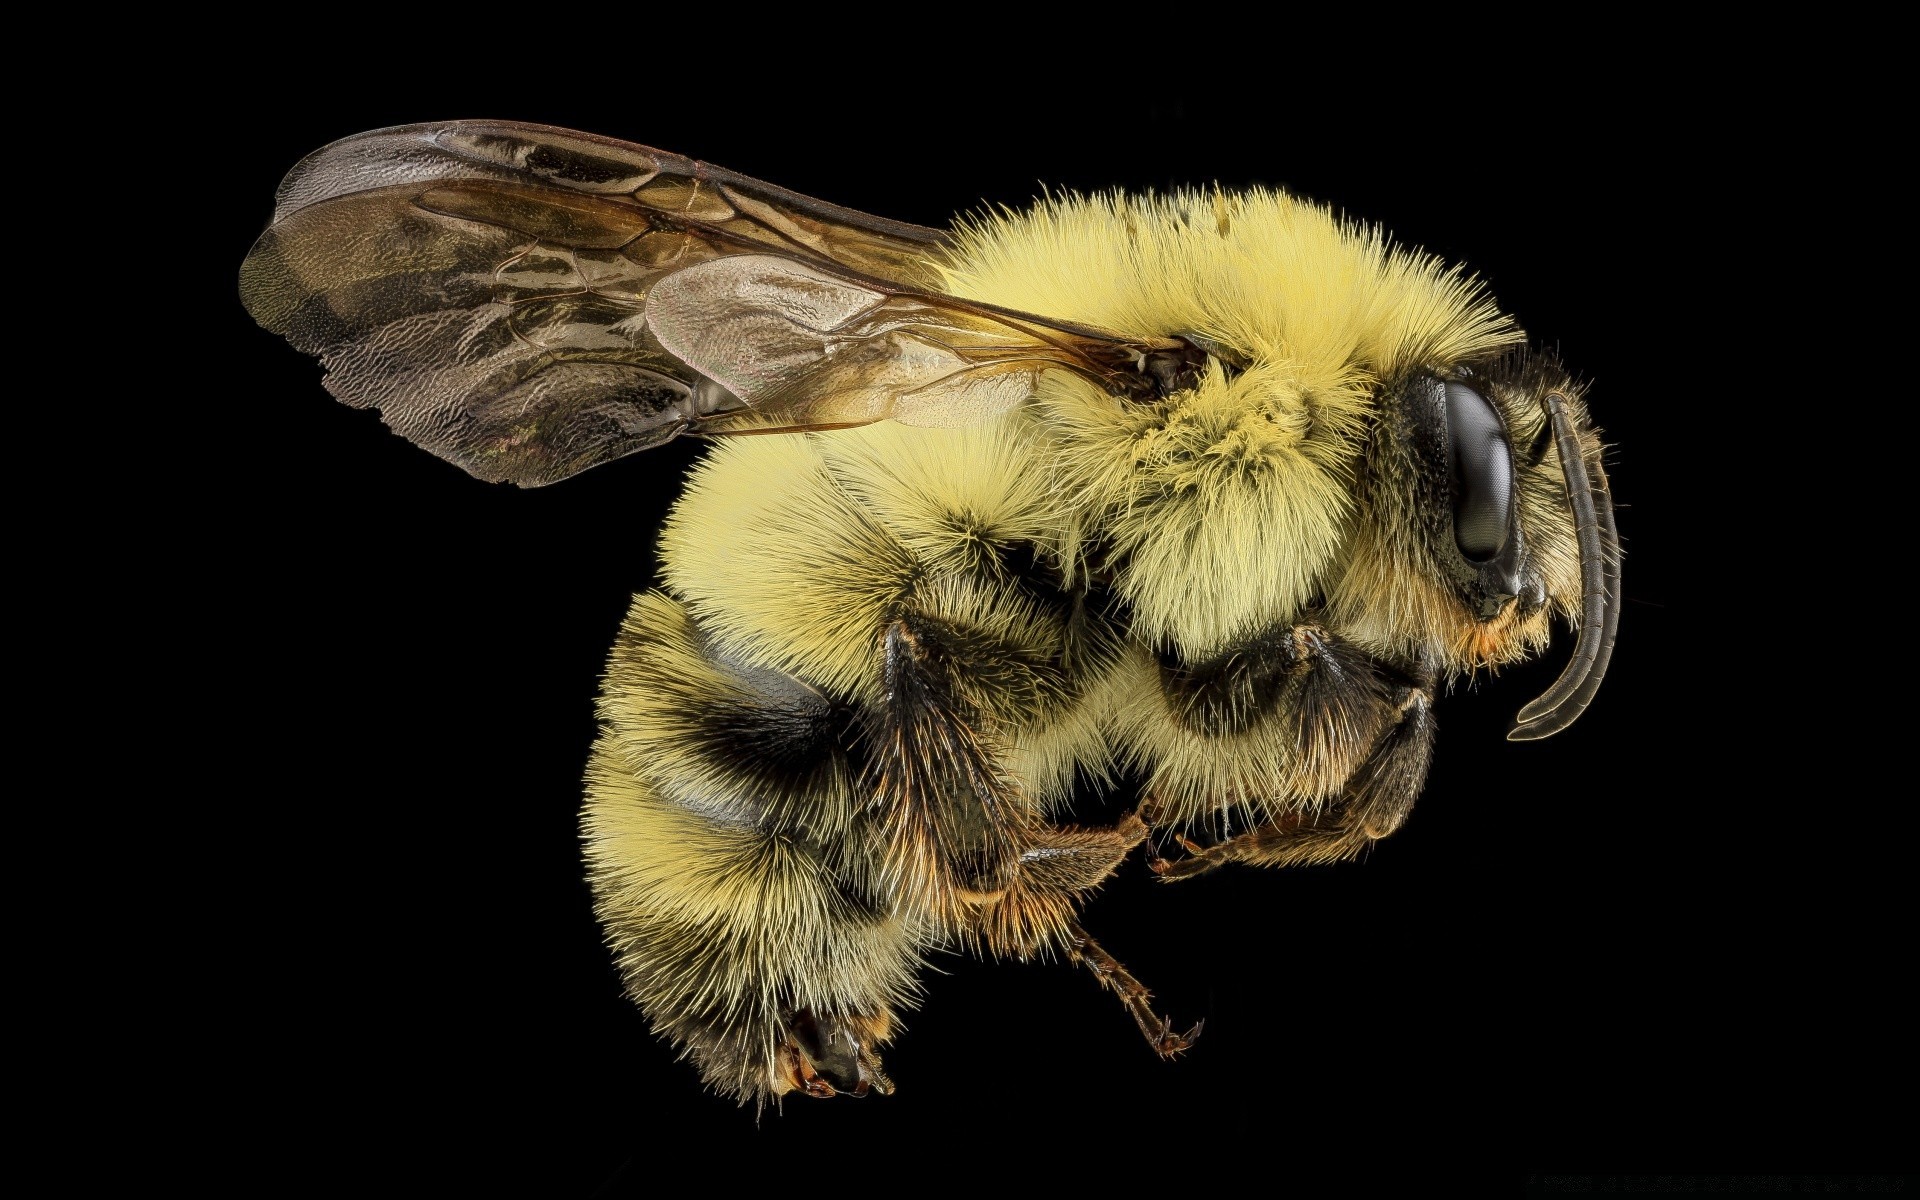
column 1232, row 503
column 792, row 552
column 1385, row 600
column 848, row 727
column 779, row 558
column 1233, row 499
column 1216, row 515
column 729, row 927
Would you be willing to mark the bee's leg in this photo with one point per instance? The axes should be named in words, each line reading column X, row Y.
column 1375, row 802
column 1038, row 911
column 731, row 869
column 1034, row 912
column 1287, row 842
column 1158, row 1030
column 951, row 821
column 1074, row 859
column 819, row 1053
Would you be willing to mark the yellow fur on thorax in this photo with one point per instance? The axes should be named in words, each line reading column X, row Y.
column 1230, row 501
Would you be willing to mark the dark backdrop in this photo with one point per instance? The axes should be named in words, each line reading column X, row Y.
column 1650, row 943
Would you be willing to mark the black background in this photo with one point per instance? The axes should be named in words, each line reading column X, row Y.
column 1658, row 941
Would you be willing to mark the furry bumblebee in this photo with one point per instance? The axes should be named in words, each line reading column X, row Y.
column 1222, row 520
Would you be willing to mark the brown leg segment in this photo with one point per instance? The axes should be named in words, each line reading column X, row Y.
column 1034, row 913
column 1378, row 799
column 831, row 1056
column 1284, row 843
column 1158, row 1030
column 1074, row 859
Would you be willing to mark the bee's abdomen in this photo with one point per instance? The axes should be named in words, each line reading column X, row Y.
column 739, row 743
column 727, row 866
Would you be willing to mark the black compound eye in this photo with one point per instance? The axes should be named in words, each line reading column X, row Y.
column 1482, row 468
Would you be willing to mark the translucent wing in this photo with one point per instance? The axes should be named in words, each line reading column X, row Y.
column 807, row 348
column 517, row 300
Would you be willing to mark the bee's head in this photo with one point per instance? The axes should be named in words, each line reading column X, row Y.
column 1483, row 512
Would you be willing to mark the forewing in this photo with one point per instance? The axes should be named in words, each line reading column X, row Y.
column 485, row 284
column 805, row 348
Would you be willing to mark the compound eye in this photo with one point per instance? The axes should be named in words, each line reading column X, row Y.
column 1482, row 469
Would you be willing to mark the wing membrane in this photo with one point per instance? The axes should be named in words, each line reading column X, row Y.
column 529, row 302
column 752, row 213
column 818, row 349
column 484, row 284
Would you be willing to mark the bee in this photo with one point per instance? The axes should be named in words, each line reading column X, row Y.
column 1208, row 492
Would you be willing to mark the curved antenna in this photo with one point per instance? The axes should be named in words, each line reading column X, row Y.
column 1599, row 541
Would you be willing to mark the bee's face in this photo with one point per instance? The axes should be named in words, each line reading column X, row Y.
column 1465, row 543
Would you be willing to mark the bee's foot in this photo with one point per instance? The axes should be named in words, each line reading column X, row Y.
column 1200, row 859
column 1168, row 1044
column 829, row 1056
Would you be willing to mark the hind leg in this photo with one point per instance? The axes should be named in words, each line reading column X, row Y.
column 1034, row 913
column 1038, row 912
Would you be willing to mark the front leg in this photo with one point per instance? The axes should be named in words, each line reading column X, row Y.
column 1375, row 803
column 1289, row 714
